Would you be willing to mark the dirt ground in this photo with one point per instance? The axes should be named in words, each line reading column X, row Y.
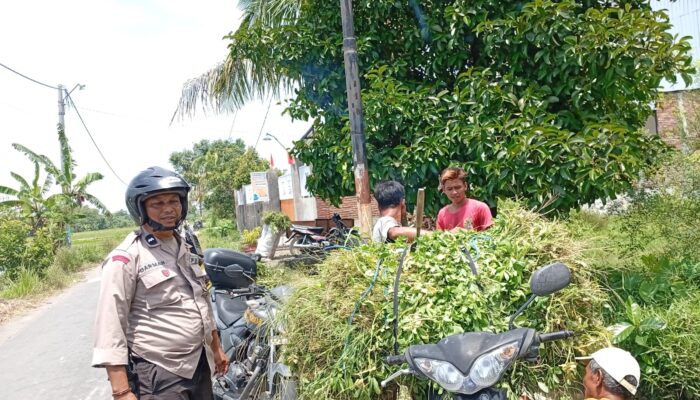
column 12, row 308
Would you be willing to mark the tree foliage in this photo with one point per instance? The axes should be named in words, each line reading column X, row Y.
column 31, row 199
column 216, row 169
column 543, row 100
column 74, row 190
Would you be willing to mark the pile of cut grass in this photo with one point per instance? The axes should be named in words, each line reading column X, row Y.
column 340, row 359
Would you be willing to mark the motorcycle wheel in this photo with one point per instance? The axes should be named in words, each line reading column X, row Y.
column 296, row 250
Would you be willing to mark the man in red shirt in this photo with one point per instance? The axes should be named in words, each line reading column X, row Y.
column 463, row 212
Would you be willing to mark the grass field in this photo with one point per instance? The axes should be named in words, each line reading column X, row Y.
column 101, row 237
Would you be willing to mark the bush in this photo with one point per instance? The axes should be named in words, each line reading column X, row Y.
column 649, row 262
column 25, row 282
column 439, row 296
column 663, row 216
column 251, row 236
column 209, row 238
column 13, row 238
column 220, row 228
column 673, row 370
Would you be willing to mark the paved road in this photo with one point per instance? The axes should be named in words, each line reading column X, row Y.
column 46, row 354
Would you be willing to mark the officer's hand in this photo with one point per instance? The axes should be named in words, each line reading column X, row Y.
column 220, row 361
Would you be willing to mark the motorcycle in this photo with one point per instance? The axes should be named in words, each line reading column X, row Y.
column 308, row 240
column 470, row 364
column 244, row 313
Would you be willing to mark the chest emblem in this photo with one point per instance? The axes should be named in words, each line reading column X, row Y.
column 165, row 272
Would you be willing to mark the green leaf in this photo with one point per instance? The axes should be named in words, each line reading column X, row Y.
column 652, row 324
column 621, row 331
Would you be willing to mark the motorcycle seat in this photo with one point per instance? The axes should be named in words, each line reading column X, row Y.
column 312, row 229
column 229, row 310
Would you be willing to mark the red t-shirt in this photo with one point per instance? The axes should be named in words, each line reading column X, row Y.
column 473, row 213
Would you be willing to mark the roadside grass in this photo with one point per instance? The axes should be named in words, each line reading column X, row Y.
column 210, row 239
column 88, row 249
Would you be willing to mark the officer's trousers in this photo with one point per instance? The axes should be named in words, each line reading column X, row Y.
column 156, row 383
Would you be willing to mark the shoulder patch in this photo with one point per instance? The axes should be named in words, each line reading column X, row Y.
column 121, row 258
column 151, row 240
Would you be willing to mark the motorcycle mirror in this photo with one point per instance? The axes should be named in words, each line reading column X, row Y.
column 233, row 271
column 550, row 279
column 545, row 281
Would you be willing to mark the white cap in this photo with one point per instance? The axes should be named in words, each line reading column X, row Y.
column 618, row 364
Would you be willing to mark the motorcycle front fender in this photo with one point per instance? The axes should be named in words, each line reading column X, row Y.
column 485, row 394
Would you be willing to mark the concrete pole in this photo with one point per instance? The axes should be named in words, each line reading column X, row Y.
column 357, row 135
column 61, row 114
column 296, row 190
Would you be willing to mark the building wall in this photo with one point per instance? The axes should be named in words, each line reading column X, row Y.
column 669, row 111
column 348, row 208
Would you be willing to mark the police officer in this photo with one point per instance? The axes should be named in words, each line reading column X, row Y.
column 154, row 311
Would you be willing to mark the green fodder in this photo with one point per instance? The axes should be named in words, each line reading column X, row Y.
column 26, row 282
column 439, row 296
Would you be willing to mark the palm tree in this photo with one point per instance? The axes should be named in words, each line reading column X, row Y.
column 74, row 191
column 237, row 79
column 30, row 199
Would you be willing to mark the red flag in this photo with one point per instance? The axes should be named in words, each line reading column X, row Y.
column 272, row 161
column 290, row 159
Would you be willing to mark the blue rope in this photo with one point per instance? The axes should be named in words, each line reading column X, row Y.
column 473, row 244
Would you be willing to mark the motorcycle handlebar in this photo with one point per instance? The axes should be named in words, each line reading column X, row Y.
column 395, row 360
column 552, row 336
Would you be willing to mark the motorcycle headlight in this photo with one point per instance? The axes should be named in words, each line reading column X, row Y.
column 441, row 372
column 484, row 372
column 489, row 367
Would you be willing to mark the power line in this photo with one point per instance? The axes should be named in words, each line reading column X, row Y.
column 26, row 77
column 263, row 124
column 93, row 140
column 230, row 131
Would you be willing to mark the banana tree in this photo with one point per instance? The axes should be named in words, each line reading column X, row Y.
column 74, row 190
column 31, row 199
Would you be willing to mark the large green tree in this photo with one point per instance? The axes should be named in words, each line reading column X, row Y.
column 216, row 169
column 543, row 100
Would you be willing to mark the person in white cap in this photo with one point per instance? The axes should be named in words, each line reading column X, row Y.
column 611, row 374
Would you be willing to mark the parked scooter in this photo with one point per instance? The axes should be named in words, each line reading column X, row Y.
column 244, row 314
column 308, row 240
column 470, row 364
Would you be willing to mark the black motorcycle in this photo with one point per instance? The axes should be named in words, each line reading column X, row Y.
column 470, row 364
column 309, row 240
column 244, row 314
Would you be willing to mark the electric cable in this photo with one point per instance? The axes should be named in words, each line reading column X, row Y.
column 230, row 131
column 93, row 140
column 263, row 124
column 26, row 77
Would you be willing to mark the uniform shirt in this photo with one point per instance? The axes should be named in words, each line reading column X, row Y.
column 380, row 231
column 153, row 305
column 472, row 215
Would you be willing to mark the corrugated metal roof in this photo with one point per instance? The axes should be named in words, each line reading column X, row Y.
column 685, row 17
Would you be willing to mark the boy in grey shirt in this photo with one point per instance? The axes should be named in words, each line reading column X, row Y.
column 390, row 197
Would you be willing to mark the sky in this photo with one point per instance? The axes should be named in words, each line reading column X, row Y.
column 133, row 57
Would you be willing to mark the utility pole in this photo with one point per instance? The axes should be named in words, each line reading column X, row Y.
column 61, row 114
column 357, row 134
